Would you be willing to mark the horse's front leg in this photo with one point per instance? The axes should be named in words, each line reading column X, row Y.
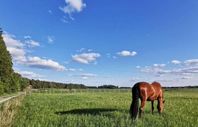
column 143, row 102
column 159, row 105
column 152, row 106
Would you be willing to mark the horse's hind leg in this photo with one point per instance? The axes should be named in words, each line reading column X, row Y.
column 152, row 106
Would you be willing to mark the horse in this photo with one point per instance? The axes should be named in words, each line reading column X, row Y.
column 146, row 92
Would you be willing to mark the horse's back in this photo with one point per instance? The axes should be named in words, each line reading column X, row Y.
column 150, row 91
column 158, row 88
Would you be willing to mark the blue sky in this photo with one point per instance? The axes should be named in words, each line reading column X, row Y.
column 103, row 42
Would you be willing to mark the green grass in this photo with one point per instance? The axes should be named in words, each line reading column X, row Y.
column 105, row 109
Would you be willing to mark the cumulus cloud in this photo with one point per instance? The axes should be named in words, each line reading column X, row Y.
column 11, row 41
column 73, row 6
column 17, row 50
column 15, row 47
column 86, row 58
column 44, row 63
column 127, row 53
column 176, row 62
column 41, row 63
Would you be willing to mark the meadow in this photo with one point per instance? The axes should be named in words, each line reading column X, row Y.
column 105, row 108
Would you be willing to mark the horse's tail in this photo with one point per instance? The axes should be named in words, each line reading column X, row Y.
column 135, row 102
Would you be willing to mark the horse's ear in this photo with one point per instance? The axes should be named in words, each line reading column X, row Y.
column 163, row 101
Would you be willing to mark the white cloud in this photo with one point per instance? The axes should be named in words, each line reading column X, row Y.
column 30, row 75
column 11, row 41
column 73, row 6
column 27, row 37
column 81, row 50
column 158, row 69
column 186, row 77
column 86, row 75
column 65, row 19
column 127, row 53
column 138, row 67
column 18, row 52
column 187, row 70
column 44, row 63
column 159, row 65
column 31, row 43
column 90, row 50
column 84, row 50
column 86, row 58
column 191, row 62
column 15, row 47
column 50, row 39
column 176, row 62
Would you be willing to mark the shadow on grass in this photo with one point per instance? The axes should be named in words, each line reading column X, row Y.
column 92, row 111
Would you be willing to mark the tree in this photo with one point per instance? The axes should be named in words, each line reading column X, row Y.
column 1, row 88
column 108, row 87
column 24, row 82
column 6, row 71
column 9, row 80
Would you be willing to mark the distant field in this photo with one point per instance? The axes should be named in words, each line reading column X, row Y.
column 104, row 109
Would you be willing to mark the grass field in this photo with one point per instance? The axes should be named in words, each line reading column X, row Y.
column 105, row 109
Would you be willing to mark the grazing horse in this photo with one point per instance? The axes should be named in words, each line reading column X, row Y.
column 146, row 92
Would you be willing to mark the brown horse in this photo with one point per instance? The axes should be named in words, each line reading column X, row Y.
column 146, row 92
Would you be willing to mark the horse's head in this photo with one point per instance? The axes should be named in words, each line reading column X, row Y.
column 162, row 106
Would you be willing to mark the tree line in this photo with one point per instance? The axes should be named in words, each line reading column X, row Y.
column 37, row 84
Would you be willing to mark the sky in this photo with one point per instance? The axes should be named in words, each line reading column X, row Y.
column 97, row 42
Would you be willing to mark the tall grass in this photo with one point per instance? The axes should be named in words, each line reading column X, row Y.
column 8, row 110
column 104, row 109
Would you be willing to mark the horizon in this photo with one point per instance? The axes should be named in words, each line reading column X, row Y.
column 103, row 42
